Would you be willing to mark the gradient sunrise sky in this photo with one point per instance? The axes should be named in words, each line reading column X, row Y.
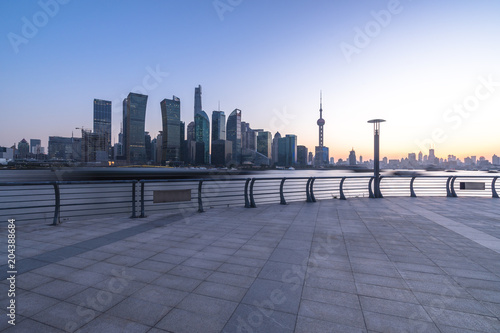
column 430, row 68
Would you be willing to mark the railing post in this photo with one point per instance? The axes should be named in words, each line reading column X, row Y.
column 247, row 202
column 311, row 191
column 370, row 192
column 252, row 200
column 379, row 190
column 448, row 192
column 282, row 195
column 200, row 201
column 452, row 187
column 342, row 196
column 412, row 191
column 133, row 200
column 142, row 199
column 494, row 193
column 308, row 194
column 57, row 206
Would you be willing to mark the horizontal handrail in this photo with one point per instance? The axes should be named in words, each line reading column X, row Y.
column 208, row 192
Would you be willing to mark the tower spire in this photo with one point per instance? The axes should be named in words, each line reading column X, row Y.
column 321, row 121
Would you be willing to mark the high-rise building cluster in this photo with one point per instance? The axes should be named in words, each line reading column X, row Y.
column 223, row 141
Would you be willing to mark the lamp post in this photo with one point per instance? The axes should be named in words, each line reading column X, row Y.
column 376, row 148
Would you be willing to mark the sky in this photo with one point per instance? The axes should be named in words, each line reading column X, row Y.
column 431, row 69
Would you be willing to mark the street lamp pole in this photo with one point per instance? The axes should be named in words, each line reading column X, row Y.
column 376, row 153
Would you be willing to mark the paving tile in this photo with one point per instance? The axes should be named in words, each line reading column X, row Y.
column 308, row 325
column 29, row 325
column 249, row 318
column 463, row 320
column 110, row 324
column 231, row 279
column 139, row 311
column 332, row 313
column 177, row 282
column 99, row 300
column 66, row 316
column 29, row 303
column 284, row 297
column 160, row 295
column 388, row 324
column 182, row 321
column 59, row 289
column 394, row 308
column 331, row 297
column 223, row 291
column 30, row 280
column 207, row 305
column 239, row 269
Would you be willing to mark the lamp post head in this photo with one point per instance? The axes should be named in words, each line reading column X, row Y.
column 376, row 124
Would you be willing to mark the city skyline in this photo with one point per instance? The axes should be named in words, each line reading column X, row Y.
column 436, row 84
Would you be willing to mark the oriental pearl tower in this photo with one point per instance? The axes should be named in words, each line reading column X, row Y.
column 321, row 121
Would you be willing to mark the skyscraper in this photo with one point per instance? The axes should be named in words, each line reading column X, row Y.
column 352, row 157
column 218, row 125
column 171, row 114
column 202, row 135
column 275, row 147
column 302, row 155
column 102, row 125
column 234, row 134
column 197, row 100
column 287, row 150
column 134, row 116
column 432, row 157
column 35, row 146
column 264, row 143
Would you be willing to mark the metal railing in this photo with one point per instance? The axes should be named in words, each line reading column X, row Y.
column 60, row 200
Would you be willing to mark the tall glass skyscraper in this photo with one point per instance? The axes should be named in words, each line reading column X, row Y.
column 287, row 150
column 202, row 135
column 234, row 134
column 102, row 125
column 134, row 116
column 197, row 100
column 264, row 143
column 218, row 125
column 171, row 114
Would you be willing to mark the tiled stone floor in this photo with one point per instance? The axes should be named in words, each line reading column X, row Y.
column 361, row 265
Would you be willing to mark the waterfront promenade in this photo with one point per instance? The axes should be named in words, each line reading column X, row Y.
column 360, row 265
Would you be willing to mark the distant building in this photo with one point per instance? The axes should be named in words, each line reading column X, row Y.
column 495, row 160
column 218, row 125
column 352, row 157
column 65, row 148
column 332, row 161
column 287, row 150
column 233, row 133
column 420, row 157
column 102, row 126
column 190, row 132
column 182, row 139
column 171, row 114
column 310, row 158
column 36, row 146
column 248, row 137
column 360, row 159
column 147, row 145
column 202, row 135
column 7, row 153
column 197, row 100
column 23, row 149
column 264, row 143
column 274, row 153
column 302, row 155
column 222, row 151
column 134, row 116
column 321, row 156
